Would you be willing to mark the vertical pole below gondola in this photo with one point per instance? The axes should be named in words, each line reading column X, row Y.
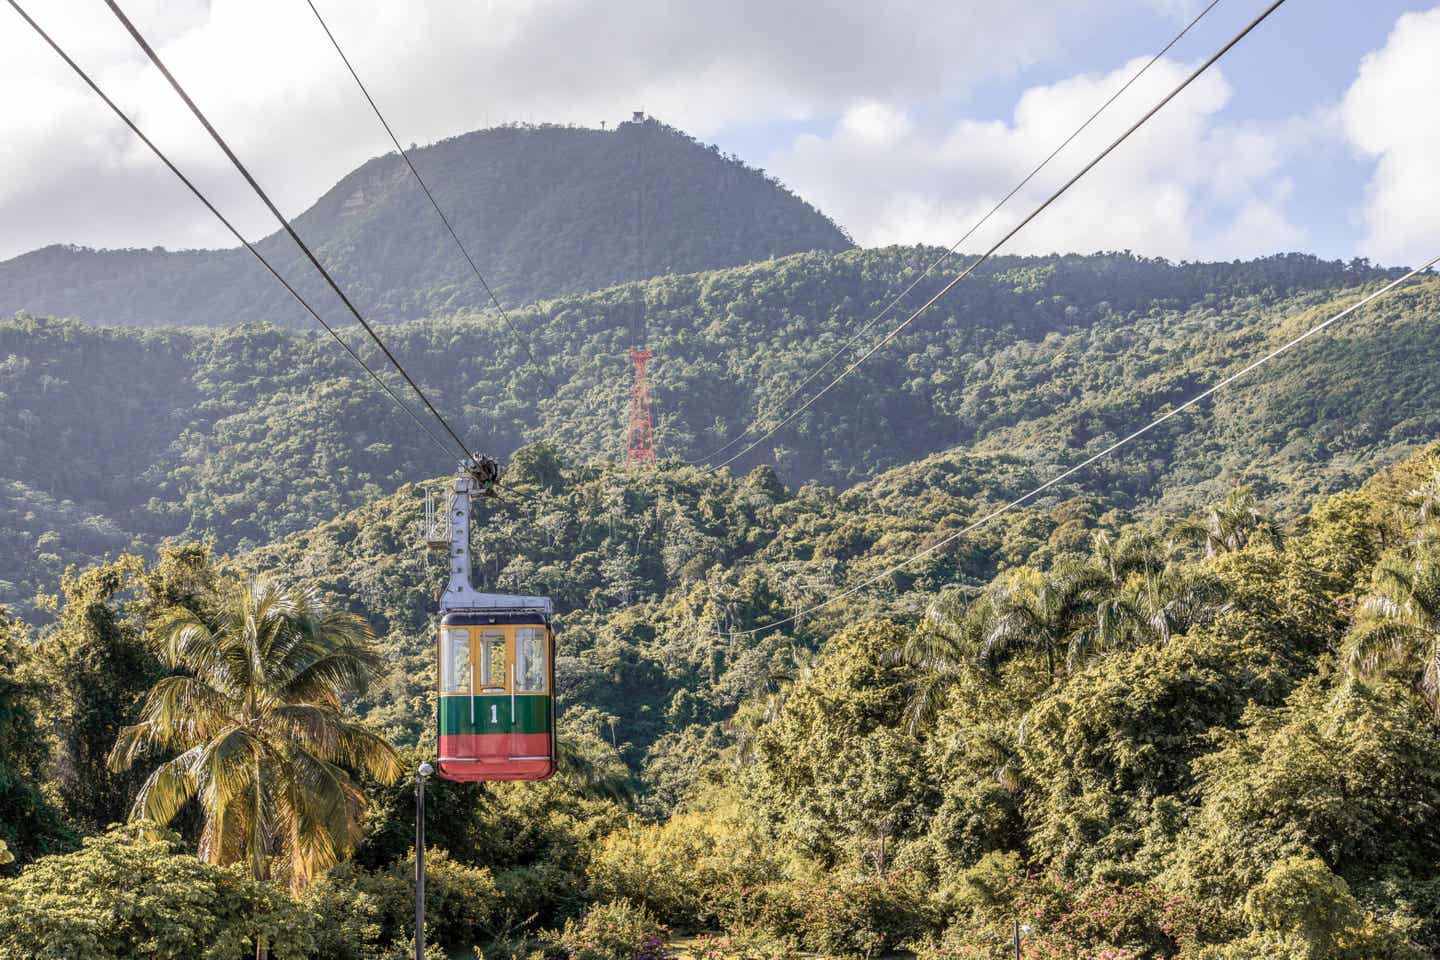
column 421, row 775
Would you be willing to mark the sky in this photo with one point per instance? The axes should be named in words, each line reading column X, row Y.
column 904, row 120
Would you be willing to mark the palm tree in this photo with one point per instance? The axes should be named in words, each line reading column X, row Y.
column 1424, row 503
column 255, row 718
column 590, row 767
column 999, row 751
column 1230, row 525
column 1397, row 627
column 1116, row 558
column 943, row 650
column 1156, row 606
column 1042, row 612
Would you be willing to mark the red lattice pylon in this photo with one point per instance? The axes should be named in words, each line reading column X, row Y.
column 642, row 440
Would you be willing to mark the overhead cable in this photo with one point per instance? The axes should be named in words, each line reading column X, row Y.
column 1061, row 477
column 975, row 264
column 954, row 247
column 523, row 340
column 125, row 118
column 284, row 223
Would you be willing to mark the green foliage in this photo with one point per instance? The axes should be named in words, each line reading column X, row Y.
column 1062, row 920
column 838, row 917
column 1302, row 911
column 833, row 765
column 1128, row 729
column 115, row 440
column 1103, row 755
column 536, row 839
column 700, row 869
column 369, row 915
column 614, row 930
column 1397, row 627
column 97, row 668
column 1302, row 896
column 1340, row 772
column 29, row 824
column 752, row 942
column 117, row 898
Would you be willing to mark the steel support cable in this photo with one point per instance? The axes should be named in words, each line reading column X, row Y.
column 954, row 247
column 285, row 224
column 1070, row 472
column 975, row 264
column 524, row 342
column 125, row 118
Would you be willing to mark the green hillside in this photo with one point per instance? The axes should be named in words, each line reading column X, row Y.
column 1186, row 757
column 1180, row 708
column 110, row 438
column 544, row 211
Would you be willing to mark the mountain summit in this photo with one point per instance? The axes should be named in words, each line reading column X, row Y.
column 544, row 210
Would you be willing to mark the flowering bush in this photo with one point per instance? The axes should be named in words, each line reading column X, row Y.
column 618, row 930
column 1067, row 922
column 751, row 942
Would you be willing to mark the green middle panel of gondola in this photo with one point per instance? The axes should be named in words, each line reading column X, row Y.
column 496, row 706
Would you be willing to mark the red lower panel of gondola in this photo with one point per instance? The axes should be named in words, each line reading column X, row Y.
column 496, row 756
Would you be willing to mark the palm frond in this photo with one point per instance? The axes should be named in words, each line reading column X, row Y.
column 321, row 808
column 167, row 789
column 604, row 777
column 927, row 699
column 331, row 671
column 222, row 839
column 1381, row 608
column 227, row 766
column 323, row 732
column 1384, row 645
column 186, row 642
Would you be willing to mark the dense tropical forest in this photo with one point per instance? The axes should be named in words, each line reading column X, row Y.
column 547, row 209
column 1211, row 735
column 116, row 439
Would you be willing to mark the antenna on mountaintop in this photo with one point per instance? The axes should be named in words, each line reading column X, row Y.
column 640, row 446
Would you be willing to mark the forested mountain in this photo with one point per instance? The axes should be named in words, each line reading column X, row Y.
column 544, row 211
column 113, row 438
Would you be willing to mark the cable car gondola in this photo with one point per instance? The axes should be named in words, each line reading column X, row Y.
column 496, row 667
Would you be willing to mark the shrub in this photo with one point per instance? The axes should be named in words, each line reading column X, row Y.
column 1111, row 921
column 118, row 897
column 750, row 942
column 698, row 869
column 1303, row 911
column 1337, row 773
column 847, row 918
column 363, row 915
column 617, row 930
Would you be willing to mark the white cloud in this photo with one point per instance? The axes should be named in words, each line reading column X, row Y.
column 877, row 124
column 1184, row 186
column 1389, row 113
column 267, row 77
